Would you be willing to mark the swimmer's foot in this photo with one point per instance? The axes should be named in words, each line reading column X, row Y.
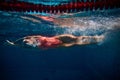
column 100, row 38
column 84, row 40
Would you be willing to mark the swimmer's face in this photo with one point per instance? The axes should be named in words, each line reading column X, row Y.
column 28, row 40
column 31, row 41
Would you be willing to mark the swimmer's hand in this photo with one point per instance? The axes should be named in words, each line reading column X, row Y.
column 9, row 42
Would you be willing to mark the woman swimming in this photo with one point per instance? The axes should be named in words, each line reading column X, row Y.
column 65, row 40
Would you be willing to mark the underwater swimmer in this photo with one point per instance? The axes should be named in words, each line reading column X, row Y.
column 65, row 40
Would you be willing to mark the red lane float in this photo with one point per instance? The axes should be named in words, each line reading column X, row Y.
column 21, row 6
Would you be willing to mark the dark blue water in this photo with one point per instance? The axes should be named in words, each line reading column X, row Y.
column 89, row 62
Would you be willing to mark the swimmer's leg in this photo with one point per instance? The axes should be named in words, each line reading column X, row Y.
column 83, row 40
